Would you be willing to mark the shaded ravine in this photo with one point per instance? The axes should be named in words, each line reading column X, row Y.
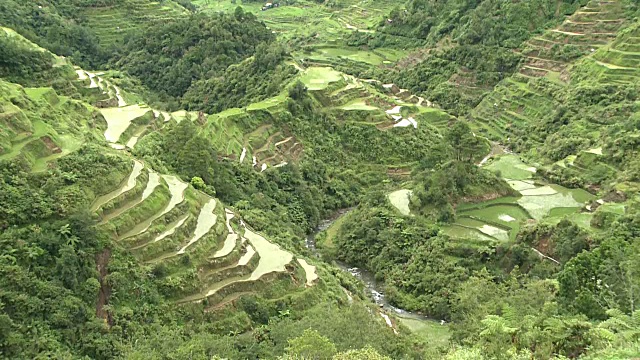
column 373, row 288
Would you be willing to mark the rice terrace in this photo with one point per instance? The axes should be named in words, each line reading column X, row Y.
column 319, row 179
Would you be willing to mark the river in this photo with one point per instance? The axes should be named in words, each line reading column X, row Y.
column 373, row 288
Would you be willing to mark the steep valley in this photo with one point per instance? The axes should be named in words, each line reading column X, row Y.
column 468, row 171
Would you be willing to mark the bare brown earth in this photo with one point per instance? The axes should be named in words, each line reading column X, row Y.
column 48, row 142
column 102, row 260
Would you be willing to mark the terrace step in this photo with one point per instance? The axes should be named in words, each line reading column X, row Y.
column 154, row 181
column 177, row 189
column 127, row 185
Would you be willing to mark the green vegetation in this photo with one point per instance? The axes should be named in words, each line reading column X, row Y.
column 478, row 160
column 193, row 40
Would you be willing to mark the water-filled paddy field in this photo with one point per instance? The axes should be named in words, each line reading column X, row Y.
column 501, row 219
column 318, row 78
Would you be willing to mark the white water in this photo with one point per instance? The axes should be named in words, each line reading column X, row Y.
column 387, row 319
column 177, row 189
column 400, row 199
column 230, row 241
column 131, row 183
column 485, row 159
column 93, row 84
column 272, row 257
column 395, row 110
column 134, row 139
column 597, row 151
column 172, row 229
column 206, row 220
column 545, row 256
column 229, row 215
column 543, row 190
column 402, row 123
column 283, row 141
column 309, row 270
column 102, row 85
column 507, row 218
column 244, row 260
column 154, row 181
column 498, row 233
column 132, row 142
column 281, row 164
column 243, row 155
column 407, row 122
column 227, row 248
column 81, row 75
column 119, row 119
column 121, row 101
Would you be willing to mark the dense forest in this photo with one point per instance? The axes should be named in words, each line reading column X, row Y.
column 319, row 179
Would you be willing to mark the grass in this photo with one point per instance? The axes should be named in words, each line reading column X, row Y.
column 332, row 231
column 318, row 78
column 377, row 57
column 40, row 128
column 430, row 332
column 583, row 220
column 182, row 114
column 67, row 143
column 229, row 112
column 511, row 167
column 358, row 104
column 37, row 93
column 461, row 232
column 511, row 216
column 540, row 206
column 268, row 103
column 613, row 208
column 520, row 185
column 487, row 229
column 112, row 23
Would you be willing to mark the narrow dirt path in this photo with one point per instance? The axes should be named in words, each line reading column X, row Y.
column 613, row 67
column 545, row 256
column 102, row 261
column 567, row 32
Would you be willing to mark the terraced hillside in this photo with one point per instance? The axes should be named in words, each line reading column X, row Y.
column 130, row 230
column 544, row 113
column 31, row 125
column 500, row 220
column 327, row 22
column 165, row 222
column 588, row 29
column 619, row 62
column 521, row 99
column 168, row 224
column 249, row 135
column 112, row 23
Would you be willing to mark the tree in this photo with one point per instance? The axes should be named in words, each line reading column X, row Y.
column 462, row 142
column 198, row 183
column 368, row 353
column 311, row 346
